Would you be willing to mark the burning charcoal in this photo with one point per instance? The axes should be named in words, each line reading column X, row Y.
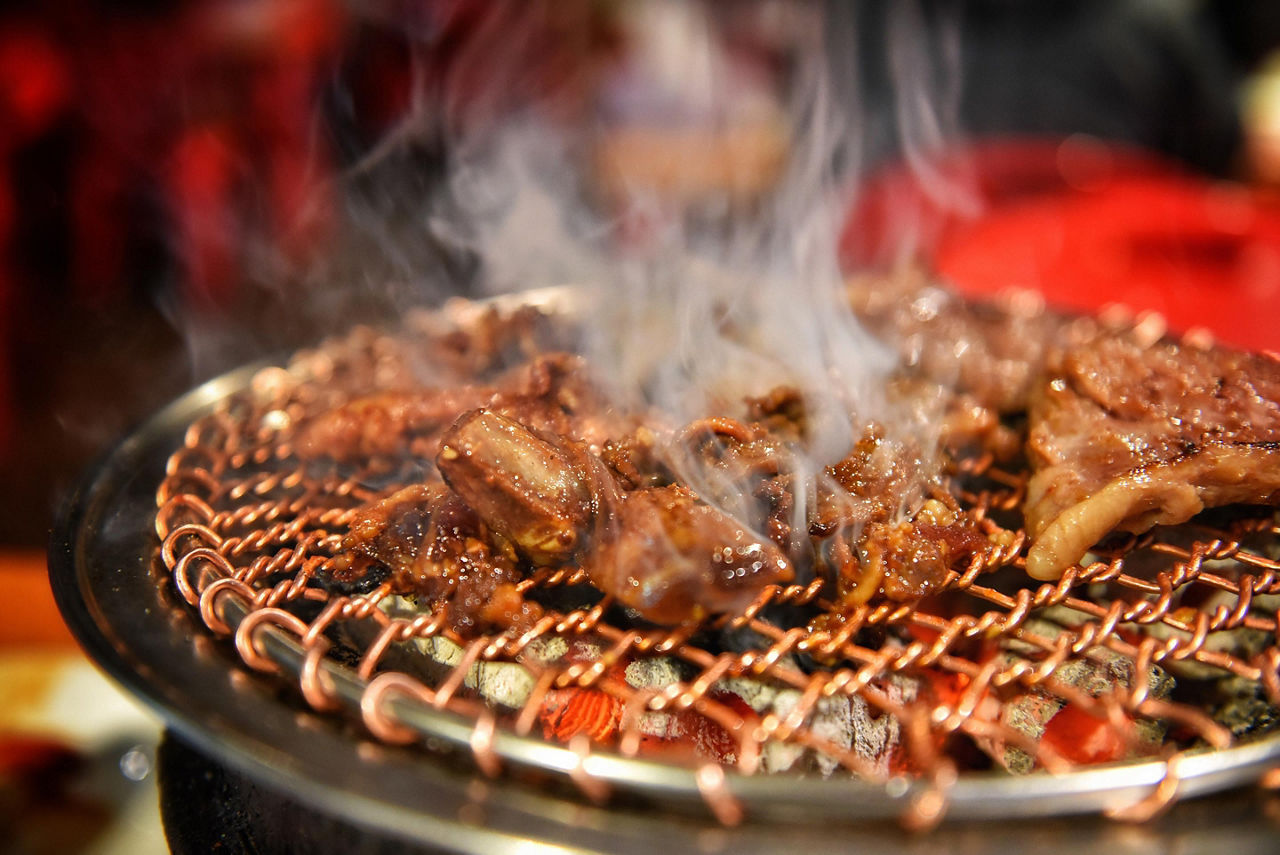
column 566, row 713
column 677, row 730
column 877, row 736
column 1241, row 641
column 1242, row 706
column 1076, row 734
column 845, row 722
column 505, row 684
column 656, row 672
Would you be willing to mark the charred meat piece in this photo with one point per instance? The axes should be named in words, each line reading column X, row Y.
column 469, row 343
column 860, row 520
column 1126, row 437
column 384, row 423
column 555, row 393
column 879, row 480
column 744, row 453
column 965, row 425
column 719, row 449
column 533, row 491
column 635, row 460
column 552, row 392
column 388, row 535
column 741, row 468
column 781, row 411
column 884, row 526
column 909, row 559
column 739, row 465
column 677, row 560
column 995, row 352
column 658, row 550
column 434, row 547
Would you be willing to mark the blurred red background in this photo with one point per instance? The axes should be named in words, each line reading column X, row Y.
column 174, row 174
column 181, row 181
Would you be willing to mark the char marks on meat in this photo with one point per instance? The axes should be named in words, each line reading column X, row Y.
column 658, row 549
column 551, row 392
column 992, row 352
column 535, row 467
column 1125, row 437
column 432, row 546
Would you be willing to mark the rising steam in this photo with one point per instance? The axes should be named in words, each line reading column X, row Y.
column 706, row 254
column 700, row 301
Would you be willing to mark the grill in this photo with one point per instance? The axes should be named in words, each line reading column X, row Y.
column 898, row 701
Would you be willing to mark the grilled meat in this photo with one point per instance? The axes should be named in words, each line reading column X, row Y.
column 534, row 491
column 675, row 559
column 552, row 392
column 995, row 353
column 659, row 550
column 432, row 546
column 1128, row 437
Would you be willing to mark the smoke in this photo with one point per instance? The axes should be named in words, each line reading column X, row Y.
column 685, row 168
column 924, row 63
column 702, row 285
column 701, row 292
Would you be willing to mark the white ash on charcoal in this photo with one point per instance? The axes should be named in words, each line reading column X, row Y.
column 1242, row 706
column 847, row 723
column 1239, row 704
column 1095, row 673
column 505, row 684
column 654, row 673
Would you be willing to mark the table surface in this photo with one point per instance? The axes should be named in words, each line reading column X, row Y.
column 77, row 755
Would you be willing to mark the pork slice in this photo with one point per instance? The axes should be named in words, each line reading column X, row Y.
column 994, row 352
column 1126, row 437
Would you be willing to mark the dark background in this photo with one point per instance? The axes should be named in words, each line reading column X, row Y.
column 182, row 185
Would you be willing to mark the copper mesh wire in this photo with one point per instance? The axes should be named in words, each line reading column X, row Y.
column 241, row 516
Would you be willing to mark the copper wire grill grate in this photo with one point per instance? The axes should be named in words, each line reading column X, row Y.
column 241, row 517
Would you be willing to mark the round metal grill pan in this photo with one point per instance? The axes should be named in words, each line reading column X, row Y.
column 111, row 588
